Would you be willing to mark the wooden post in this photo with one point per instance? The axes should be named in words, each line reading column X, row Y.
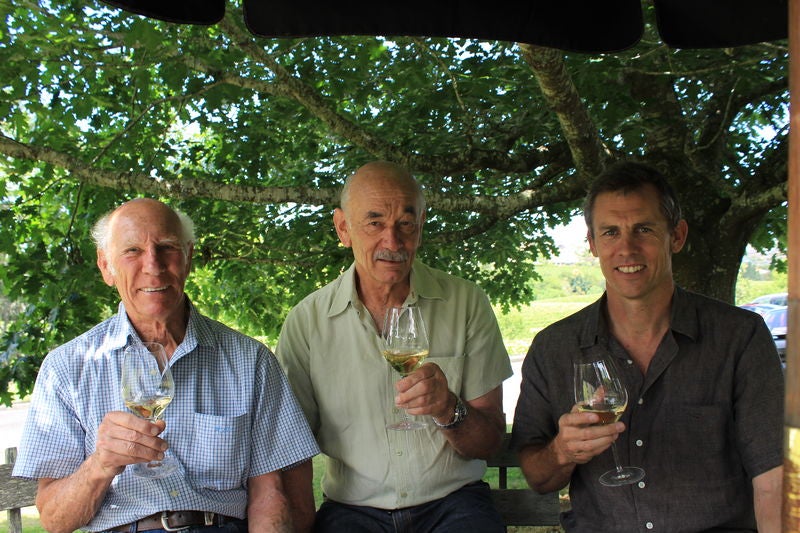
column 14, row 515
column 791, row 477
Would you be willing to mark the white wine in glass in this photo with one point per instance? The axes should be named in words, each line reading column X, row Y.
column 599, row 390
column 405, row 347
column 147, row 390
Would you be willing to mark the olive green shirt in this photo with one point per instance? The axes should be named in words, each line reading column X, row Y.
column 330, row 350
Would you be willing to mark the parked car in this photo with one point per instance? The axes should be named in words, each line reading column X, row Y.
column 779, row 298
column 776, row 322
column 761, row 309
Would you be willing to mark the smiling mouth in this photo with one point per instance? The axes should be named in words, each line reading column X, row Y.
column 632, row 269
column 154, row 289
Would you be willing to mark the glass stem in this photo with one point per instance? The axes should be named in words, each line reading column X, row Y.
column 616, row 457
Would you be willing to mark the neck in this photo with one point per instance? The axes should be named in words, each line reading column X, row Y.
column 640, row 324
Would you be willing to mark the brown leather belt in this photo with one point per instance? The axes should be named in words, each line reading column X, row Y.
column 177, row 520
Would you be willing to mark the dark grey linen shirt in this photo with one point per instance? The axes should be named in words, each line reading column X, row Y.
column 705, row 419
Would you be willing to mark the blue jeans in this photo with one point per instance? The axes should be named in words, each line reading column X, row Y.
column 467, row 509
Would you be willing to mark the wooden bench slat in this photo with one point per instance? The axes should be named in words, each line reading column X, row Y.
column 520, row 507
column 524, row 507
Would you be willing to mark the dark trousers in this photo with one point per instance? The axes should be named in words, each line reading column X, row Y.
column 468, row 509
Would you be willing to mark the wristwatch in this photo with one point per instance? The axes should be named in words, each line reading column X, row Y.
column 459, row 414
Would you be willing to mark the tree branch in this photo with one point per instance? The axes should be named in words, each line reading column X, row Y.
column 588, row 151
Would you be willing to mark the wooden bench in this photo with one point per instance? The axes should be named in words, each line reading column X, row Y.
column 15, row 493
column 520, row 507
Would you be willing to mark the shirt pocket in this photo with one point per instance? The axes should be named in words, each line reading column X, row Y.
column 221, row 451
column 700, row 440
column 453, row 368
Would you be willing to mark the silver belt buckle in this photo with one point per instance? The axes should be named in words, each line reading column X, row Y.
column 208, row 518
column 165, row 523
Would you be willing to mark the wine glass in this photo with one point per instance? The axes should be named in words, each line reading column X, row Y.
column 599, row 390
column 405, row 347
column 147, row 389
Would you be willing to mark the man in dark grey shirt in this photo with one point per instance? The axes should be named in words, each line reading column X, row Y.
column 705, row 386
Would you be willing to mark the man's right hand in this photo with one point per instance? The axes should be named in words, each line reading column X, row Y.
column 581, row 437
column 124, row 439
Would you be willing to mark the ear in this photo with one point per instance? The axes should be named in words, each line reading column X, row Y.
column 679, row 236
column 592, row 246
column 421, row 226
column 342, row 230
column 105, row 270
column 189, row 255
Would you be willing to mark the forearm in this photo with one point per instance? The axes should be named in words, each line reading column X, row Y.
column 69, row 503
column 767, row 500
column 268, row 509
column 297, row 483
column 544, row 468
column 479, row 435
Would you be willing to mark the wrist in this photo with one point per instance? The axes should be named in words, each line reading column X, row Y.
column 455, row 414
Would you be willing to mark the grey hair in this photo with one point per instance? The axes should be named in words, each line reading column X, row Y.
column 101, row 231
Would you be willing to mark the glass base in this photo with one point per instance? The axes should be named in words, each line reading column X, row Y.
column 623, row 476
column 156, row 469
column 407, row 425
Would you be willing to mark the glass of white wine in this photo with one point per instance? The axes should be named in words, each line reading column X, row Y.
column 599, row 390
column 147, row 390
column 405, row 346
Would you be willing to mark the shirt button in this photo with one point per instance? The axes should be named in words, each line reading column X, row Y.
column 630, row 361
column 641, row 401
column 639, row 442
column 404, row 495
column 173, row 493
column 641, row 484
column 649, row 525
column 399, row 453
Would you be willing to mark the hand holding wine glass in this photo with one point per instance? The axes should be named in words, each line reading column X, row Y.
column 599, row 390
column 405, row 347
column 147, row 390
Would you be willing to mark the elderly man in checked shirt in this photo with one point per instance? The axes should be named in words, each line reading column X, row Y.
column 233, row 426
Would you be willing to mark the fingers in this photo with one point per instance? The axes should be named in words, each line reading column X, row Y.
column 424, row 392
column 581, row 437
column 124, row 439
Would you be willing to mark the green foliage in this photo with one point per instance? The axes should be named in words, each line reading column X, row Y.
column 252, row 138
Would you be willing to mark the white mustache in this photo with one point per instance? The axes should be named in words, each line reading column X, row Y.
column 388, row 255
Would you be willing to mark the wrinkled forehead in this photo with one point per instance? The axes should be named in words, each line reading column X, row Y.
column 135, row 223
column 383, row 196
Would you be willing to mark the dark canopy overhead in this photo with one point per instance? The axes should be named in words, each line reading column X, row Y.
column 576, row 25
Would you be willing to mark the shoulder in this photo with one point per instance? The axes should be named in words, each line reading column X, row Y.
column 211, row 331
column 434, row 283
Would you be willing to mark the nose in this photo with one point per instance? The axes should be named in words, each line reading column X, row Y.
column 392, row 237
column 152, row 262
column 629, row 241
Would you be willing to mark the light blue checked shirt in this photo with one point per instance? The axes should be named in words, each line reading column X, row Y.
column 233, row 417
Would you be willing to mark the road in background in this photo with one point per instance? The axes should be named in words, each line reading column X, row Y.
column 11, row 420
column 511, row 388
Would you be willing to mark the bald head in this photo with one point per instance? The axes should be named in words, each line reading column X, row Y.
column 381, row 173
column 143, row 210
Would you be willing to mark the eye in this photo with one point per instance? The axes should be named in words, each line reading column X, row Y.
column 407, row 227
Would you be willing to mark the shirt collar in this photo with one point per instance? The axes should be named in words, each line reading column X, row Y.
column 683, row 319
column 122, row 333
column 422, row 286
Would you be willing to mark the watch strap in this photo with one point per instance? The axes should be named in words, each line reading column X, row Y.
column 459, row 414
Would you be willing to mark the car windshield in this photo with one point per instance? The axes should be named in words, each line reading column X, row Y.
column 776, row 319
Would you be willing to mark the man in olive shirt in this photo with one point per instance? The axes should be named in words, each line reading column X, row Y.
column 377, row 478
column 705, row 388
